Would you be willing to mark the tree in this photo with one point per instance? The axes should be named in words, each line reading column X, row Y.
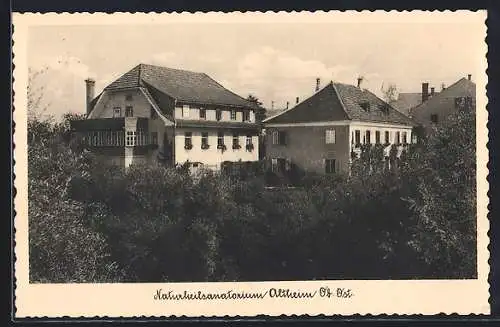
column 390, row 93
column 260, row 113
column 445, row 202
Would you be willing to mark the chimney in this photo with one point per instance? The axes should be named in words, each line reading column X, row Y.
column 287, row 104
column 317, row 84
column 443, row 86
column 425, row 91
column 469, row 77
column 432, row 91
column 272, row 104
column 90, row 86
column 360, row 79
column 297, row 100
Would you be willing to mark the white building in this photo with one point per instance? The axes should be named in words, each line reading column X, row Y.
column 178, row 116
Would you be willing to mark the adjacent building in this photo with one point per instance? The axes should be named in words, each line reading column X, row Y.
column 319, row 134
column 459, row 95
column 176, row 116
column 406, row 101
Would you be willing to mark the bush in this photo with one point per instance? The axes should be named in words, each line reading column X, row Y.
column 93, row 222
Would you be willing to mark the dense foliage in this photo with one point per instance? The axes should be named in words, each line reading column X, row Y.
column 94, row 222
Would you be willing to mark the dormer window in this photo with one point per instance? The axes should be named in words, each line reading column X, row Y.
column 384, row 108
column 129, row 97
column 365, row 105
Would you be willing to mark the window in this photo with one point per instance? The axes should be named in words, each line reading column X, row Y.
column 220, row 138
column 154, row 138
column 365, row 105
column 129, row 97
column 330, row 136
column 188, row 142
column 233, row 114
column 463, row 103
column 185, row 111
column 275, row 137
column 131, row 138
column 248, row 140
column 204, row 140
column 117, row 112
column 246, row 115
column 278, row 164
column 398, row 140
column 357, row 137
column 387, row 137
column 377, row 137
column 434, row 118
column 236, row 141
column 329, row 166
column 279, row 138
column 405, row 140
column 384, row 108
column 368, row 137
column 129, row 111
column 218, row 114
column 203, row 113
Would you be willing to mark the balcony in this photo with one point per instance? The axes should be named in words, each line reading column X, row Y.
column 108, row 124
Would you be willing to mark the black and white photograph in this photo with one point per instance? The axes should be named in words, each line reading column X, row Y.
column 242, row 151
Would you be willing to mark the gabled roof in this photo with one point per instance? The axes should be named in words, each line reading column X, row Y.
column 181, row 85
column 337, row 101
column 461, row 88
column 406, row 101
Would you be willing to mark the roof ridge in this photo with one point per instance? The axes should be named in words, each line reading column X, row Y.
column 177, row 69
column 287, row 110
column 340, row 99
column 445, row 91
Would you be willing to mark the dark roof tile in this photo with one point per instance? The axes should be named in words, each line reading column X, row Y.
column 338, row 101
column 182, row 85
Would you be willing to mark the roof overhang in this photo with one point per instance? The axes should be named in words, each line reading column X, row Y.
column 216, row 124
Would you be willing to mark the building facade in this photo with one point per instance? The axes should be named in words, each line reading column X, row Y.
column 436, row 110
column 321, row 133
column 175, row 116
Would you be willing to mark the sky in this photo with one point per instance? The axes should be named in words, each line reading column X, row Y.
column 275, row 62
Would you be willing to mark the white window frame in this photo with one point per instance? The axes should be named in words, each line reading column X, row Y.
column 330, row 136
column 236, row 139
column 130, row 138
column 248, row 140
column 204, row 138
column 233, row 114
column 185, row 111
column 220, row 138
column 117, row 112
column 188, row 136
column 204, row 111
column 131, row 108
column 276, row 137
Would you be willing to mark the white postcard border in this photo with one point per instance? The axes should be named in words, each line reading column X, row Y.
column 129, row 300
